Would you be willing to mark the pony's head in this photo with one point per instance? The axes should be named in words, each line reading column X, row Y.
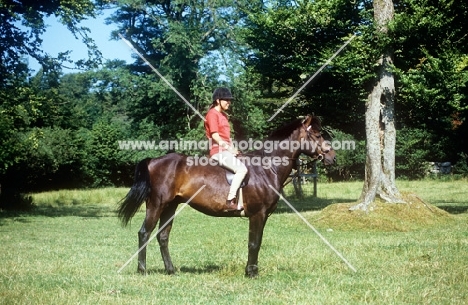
column 305, row 136
column 312, row 142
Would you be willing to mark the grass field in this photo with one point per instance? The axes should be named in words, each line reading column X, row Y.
column 69, row 248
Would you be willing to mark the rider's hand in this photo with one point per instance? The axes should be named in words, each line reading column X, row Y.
column 233, row 150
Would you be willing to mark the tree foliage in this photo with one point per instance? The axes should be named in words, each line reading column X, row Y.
column 23, row 24
column 431, row 63
column 429, row 41
column 62, row 130
column 292, row 40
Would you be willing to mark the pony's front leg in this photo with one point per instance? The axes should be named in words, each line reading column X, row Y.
column 256, row 226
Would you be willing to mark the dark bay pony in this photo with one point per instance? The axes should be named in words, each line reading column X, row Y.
column 167, row 181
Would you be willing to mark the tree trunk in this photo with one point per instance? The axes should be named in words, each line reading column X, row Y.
column 380, row 127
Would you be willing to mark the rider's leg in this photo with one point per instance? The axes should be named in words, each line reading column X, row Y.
column 229, row 161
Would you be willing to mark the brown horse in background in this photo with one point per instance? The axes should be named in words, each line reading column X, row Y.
column 167, row 181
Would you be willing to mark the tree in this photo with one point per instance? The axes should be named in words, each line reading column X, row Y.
column 21, row 41
column 431, row 68
column 264, row 52
column 290, row 40
column 380, row 122
column 177, row 38
column 25, row 104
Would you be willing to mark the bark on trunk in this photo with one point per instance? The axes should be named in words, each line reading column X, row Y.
column 380, row 127
column 388, row 190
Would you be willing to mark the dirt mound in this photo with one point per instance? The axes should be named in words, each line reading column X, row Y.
column 412, row 215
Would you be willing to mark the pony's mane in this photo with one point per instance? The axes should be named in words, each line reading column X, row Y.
column 286, row 130
column 316, row 123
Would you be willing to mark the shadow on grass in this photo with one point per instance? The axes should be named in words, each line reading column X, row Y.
column 308, row 203
column 185, row 269
column 79, row 210
column 96, row 210
column 200, row 270
column 453, row 209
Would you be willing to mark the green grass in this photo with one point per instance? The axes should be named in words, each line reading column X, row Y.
column 69, row 248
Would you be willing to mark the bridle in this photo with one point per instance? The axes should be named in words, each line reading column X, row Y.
column 315, row 138
column 319, row 152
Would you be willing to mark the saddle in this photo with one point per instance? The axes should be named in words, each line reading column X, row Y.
column 230, row 176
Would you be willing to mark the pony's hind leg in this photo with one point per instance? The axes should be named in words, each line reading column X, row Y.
column 143, row 236
column 165, row 226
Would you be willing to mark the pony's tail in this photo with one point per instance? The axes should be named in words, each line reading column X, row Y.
column 140, row 190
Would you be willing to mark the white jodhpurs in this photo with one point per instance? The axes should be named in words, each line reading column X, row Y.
column 229, row 161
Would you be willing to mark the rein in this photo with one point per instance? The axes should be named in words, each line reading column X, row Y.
column 294, row 176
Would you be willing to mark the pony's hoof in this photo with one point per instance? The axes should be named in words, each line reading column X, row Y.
column 251, row 271
column 141, row 270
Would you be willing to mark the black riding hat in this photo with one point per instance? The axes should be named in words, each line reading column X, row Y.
column 222, row 94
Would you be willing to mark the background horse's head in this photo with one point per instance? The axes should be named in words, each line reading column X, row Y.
column 317, row 147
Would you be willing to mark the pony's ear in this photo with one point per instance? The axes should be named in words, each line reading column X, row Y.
column 311, row 121
column 307, row 120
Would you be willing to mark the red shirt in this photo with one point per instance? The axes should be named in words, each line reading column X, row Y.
column 216, row 121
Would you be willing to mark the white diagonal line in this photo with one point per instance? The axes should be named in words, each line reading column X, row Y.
column 312, row 77
column 315, row 230
column 161, row 228
column 161, row 76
